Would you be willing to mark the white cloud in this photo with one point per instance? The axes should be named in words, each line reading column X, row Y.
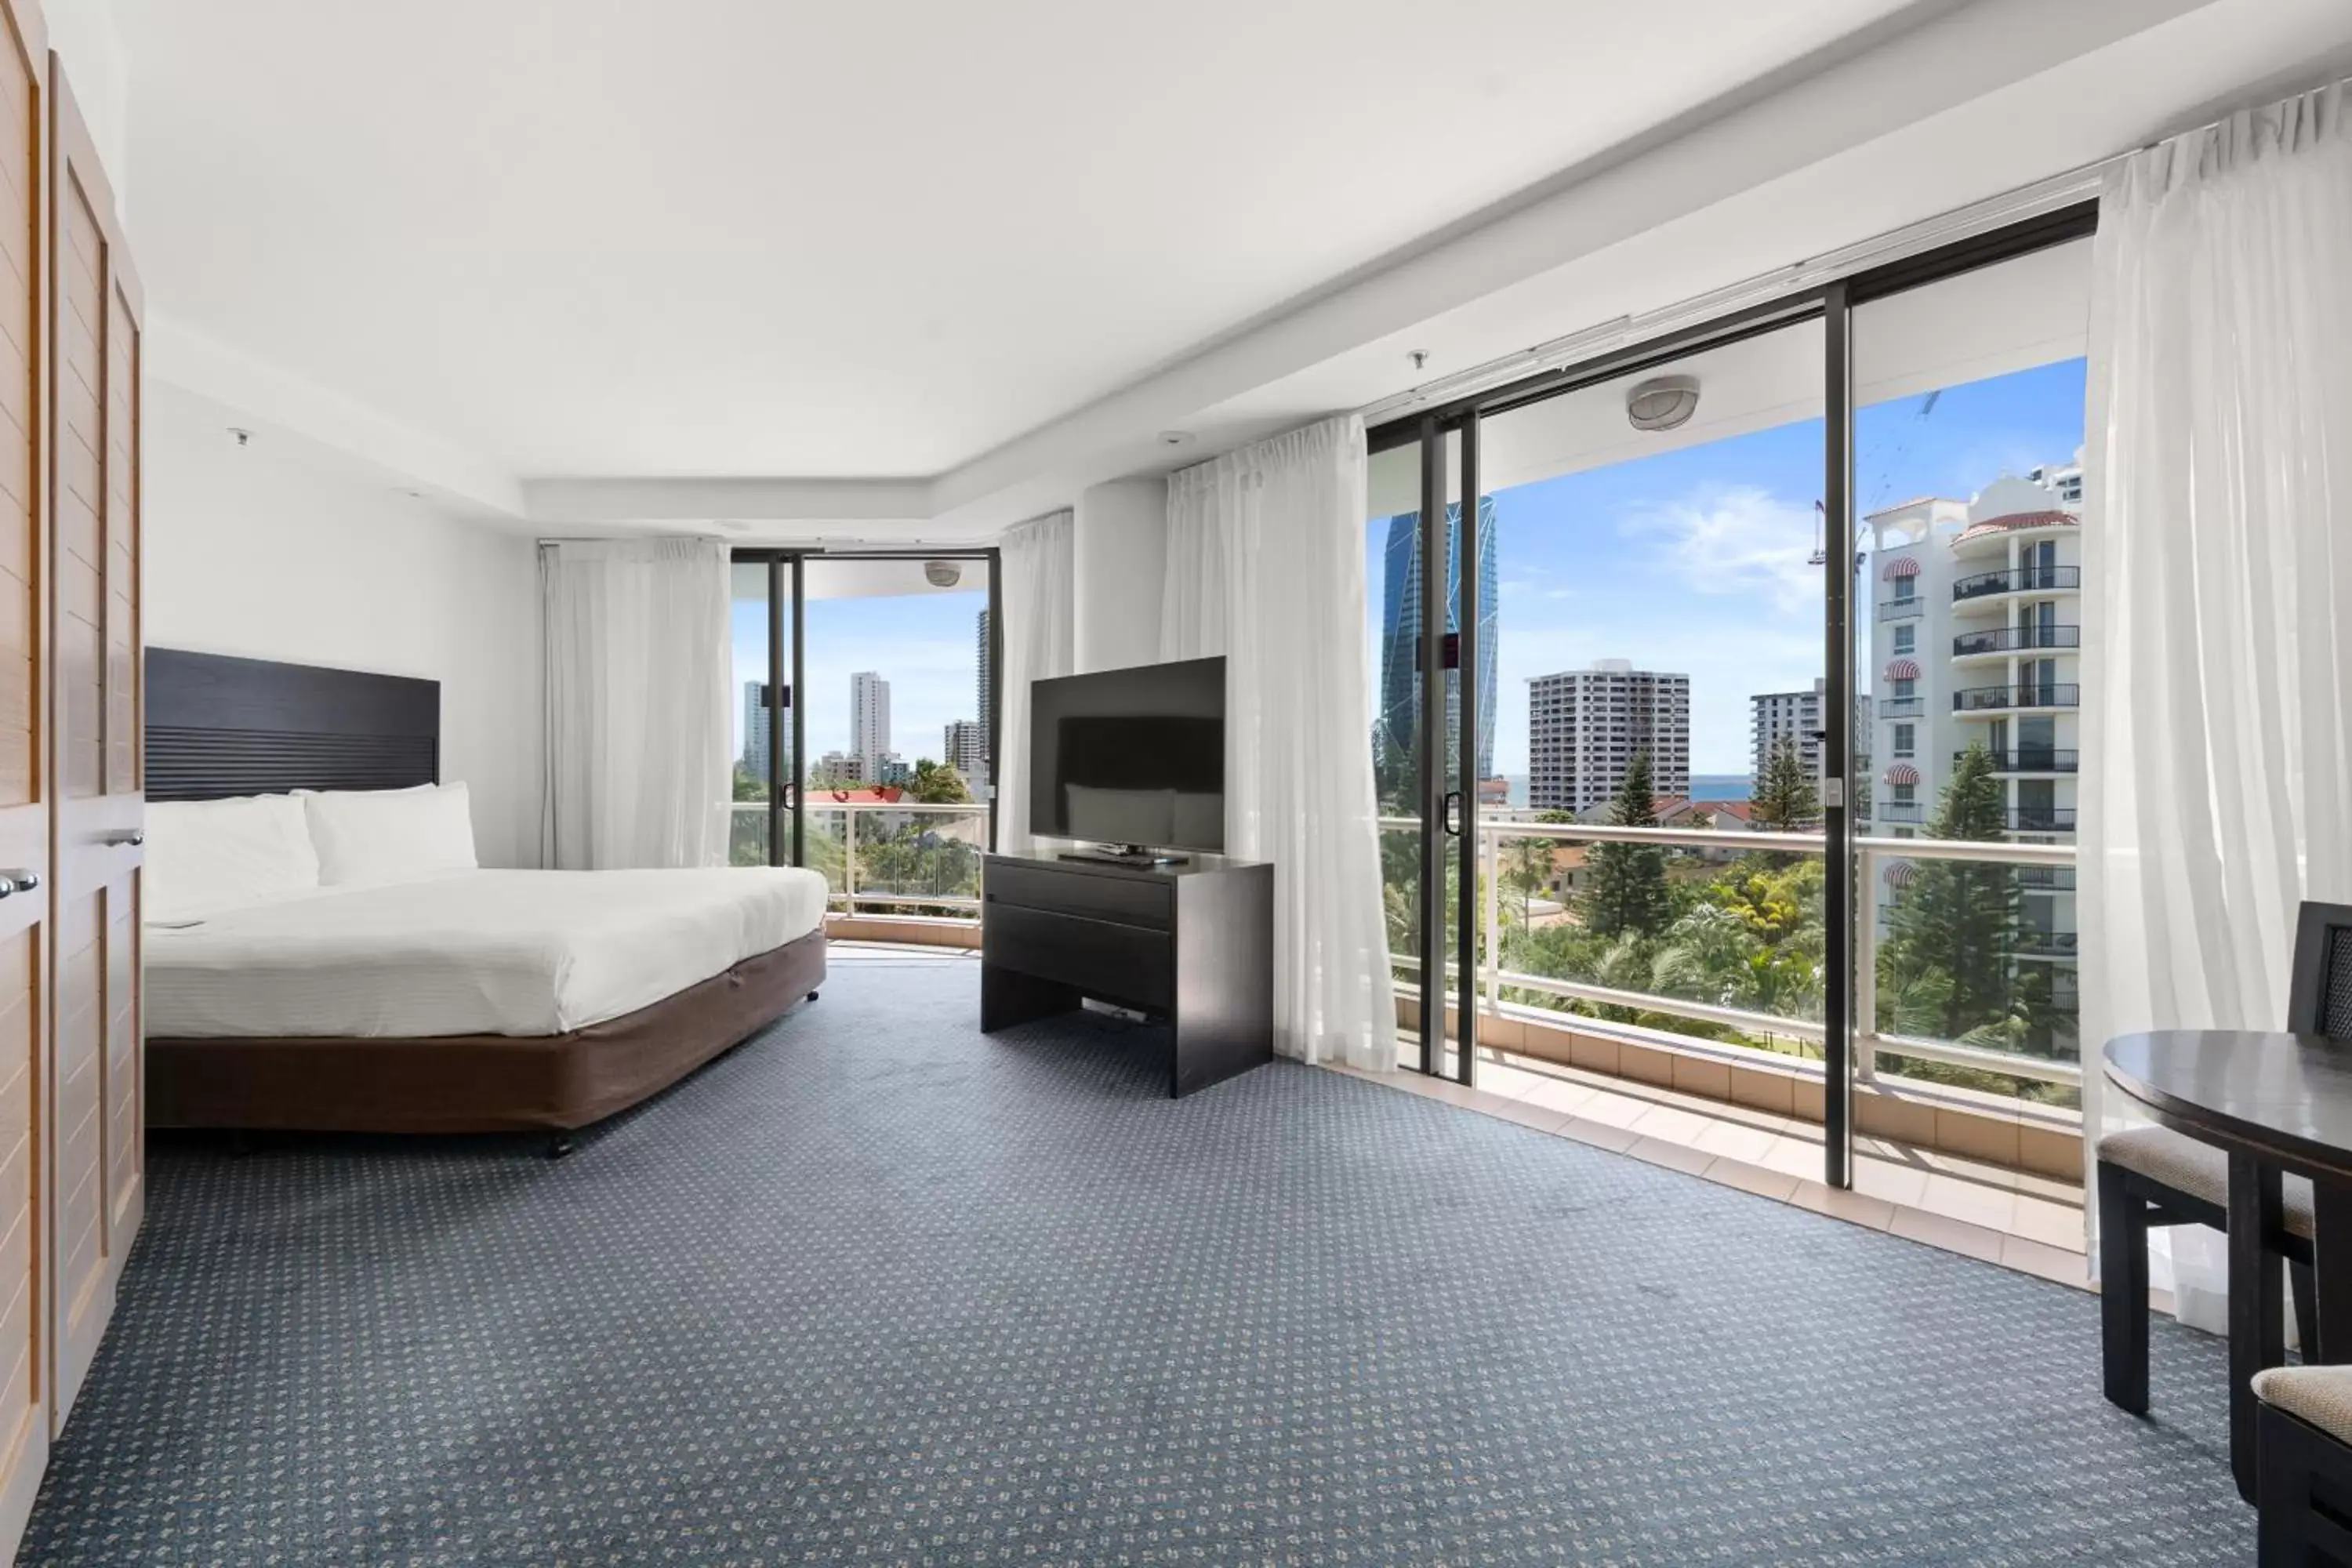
column 1735, row 540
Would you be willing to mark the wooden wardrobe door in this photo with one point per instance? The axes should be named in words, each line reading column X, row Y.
column 96, row 771
column 25, row 825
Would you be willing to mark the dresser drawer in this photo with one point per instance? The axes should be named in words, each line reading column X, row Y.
column 1101, row 958
column 1130, row 901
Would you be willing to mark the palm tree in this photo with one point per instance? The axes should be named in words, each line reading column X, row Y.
column 1526, row 866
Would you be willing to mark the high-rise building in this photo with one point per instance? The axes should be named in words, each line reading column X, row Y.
column 1796, row 717
column 1396, row 730
column 985, row 706
column 869, row 723
column 1586, row 726
column 1977, row 639
column 759, row 731
column 964, row 747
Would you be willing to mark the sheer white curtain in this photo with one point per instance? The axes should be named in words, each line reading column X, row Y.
column 1266, row 565
column 2217, row 778
column 638, row 672
column 1038, row 598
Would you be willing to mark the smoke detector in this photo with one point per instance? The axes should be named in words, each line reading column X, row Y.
column 943, row 574
column 1663, row 402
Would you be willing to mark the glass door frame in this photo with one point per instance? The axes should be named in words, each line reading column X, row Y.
column 1832, row 303
column 788, row 566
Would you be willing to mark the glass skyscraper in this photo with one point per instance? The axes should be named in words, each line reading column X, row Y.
column 1396, row 729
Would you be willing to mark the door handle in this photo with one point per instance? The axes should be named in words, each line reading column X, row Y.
column 128, row 840
column 18, row 881
column 1451, row 818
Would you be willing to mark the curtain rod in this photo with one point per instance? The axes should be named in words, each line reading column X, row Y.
column 1961, row 223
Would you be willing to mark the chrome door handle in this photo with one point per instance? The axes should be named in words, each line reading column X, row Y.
column 18, row 881
column 130, row 840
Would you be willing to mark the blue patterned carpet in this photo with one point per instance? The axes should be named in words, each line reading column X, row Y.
column 876, row 1290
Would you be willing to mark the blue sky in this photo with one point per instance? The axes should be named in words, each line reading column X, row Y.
column 924, row 644
column 1692, row 561
column 1696, row 561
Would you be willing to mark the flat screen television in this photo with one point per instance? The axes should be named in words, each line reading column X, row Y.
column 1131, row 756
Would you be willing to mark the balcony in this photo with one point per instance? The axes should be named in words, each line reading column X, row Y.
column 2046, row 878
column 1902, row 707
column 2015, row 639
column 1986, row 699
column 1903, row 811
column 2032, row 759
column 1901, row 609
column 2042, row 819
column 2061, row 945
column 1730, row 1030
column 902, row 871
column 2024, row 580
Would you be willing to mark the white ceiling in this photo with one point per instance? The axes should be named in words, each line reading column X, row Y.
column 745, row 238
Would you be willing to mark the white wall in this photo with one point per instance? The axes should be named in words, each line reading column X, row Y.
column 273, row 550
column 1120, row 565
column 84, row 33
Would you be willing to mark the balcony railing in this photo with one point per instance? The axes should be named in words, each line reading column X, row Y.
column 1902, row 707
column 2042, row 819
column 2050, row 944
column 2052, row 879
column 1898, row 811
column 2024, row 580
column 2011, row 639
column 1873, row 854
column 1901, row 609
column 2034, row 759
column 902, row 858
column 2028, row 694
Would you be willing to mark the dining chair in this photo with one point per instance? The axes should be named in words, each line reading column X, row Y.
column 2302, row 1448
column 2152, row 1177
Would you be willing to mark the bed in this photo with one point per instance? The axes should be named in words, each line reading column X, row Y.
column 322, row 955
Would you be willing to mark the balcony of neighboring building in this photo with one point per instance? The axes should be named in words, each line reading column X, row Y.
column 1994, row 643
column 2039, row 819
column 2020, row 697
column 2033, row 762
column 1989, row 588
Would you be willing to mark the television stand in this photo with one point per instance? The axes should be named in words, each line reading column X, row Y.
column 1191, row 943
column 1139, row 855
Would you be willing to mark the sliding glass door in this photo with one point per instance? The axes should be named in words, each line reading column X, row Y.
column 1432, row 605
column 867, row 724
column 1629, row 743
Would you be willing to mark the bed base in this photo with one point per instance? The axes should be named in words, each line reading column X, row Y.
column 476, row 1083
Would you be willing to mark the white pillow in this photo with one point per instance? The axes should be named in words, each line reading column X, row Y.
column 205, row 857
column 391, row 835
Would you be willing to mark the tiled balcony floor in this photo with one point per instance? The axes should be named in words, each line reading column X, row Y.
column 2019, row 1220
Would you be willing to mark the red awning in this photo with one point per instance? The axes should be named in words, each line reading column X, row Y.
column 1902, row 773
column 1898, row 873
column 1903, row 669
column 1901, row 566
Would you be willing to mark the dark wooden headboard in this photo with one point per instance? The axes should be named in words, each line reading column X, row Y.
column 219, row 726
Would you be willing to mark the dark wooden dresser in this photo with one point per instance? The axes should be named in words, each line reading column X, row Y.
column 1192, row 944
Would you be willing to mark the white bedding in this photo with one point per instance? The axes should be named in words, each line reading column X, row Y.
column 469, row 953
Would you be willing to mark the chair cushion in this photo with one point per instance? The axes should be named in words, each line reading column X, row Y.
column 2319, row 1395
column 2199, row 1170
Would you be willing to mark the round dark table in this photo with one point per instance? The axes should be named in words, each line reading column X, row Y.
column 2275, row 1103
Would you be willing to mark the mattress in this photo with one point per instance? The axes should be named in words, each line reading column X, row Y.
column 469, row 953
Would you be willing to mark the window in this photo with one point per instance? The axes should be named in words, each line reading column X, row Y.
column 1906, row 638
column 1905, row 740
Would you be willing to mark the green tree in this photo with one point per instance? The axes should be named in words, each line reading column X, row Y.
column 1626, row 887
column 1948, row 963
column 938, row 784
column 1786, row 800
column 1526, row 866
